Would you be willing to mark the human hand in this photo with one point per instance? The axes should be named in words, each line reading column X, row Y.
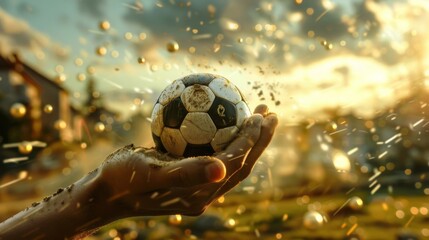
column 141, row 182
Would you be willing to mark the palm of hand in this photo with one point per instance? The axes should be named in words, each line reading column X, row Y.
column 145, row 182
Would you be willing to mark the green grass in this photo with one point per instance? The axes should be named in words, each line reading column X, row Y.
column 258, row 217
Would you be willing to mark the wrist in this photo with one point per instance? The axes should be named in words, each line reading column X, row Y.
column 91, row 201
column 76, row 210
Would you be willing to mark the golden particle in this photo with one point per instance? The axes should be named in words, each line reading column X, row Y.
column 313, row 220
column 128, row 36
column 141, row 60
column 17, row 110
column 48, row 108
column 175, row 219
column 172, row 46
column 60, row 124
column 25, row 147
column 101, row 51
column 99, row 127
column 355, row 203
column 81, row 77
column 60, row 78
column 104, row 25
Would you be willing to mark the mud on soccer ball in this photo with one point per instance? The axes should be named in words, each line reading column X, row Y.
column 198, row 114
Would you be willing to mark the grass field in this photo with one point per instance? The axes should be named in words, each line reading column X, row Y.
column 263, row 216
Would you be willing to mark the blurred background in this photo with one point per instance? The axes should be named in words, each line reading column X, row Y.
column 348, row 79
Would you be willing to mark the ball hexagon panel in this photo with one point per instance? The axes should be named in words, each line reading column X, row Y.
column 157, row 119
column 174, row 113
column 198, row 128
column 225, row 89
column 243, row 112
column 173, row 141
column 223, row 137
column 198, row 78
column 197, row 98
column 198, row 150
column 171, row 92
column 223, row 113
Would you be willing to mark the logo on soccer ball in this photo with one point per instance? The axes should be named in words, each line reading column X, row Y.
column 198, row 115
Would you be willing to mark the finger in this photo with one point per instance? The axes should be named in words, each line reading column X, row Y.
column 268, row 126
column 233, row 156
column 189, row 172
column 261, row 109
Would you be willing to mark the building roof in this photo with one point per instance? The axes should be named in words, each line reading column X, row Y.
column 14, row 62
column 5, row 62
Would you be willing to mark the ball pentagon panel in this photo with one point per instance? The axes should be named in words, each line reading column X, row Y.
column 223, row 137
column 243, row 112
column 197, row 98
column 157, row 119
column 174, row 113
column 225, row 89
column 198, row 150
column 172, row 91
column 173, row 141
column 223, row 113
column 198, row 128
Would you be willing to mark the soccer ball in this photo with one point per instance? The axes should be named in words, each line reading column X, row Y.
column 198, row 115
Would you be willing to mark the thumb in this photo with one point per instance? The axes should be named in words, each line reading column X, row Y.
column 192, row 171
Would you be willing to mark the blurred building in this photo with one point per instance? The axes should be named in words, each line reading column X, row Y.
column 32, row 108
column 334, row 152
column 48, row 112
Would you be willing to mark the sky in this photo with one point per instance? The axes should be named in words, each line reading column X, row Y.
column 302, row 58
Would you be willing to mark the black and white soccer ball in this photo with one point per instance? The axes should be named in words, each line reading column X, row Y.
column 198, row 115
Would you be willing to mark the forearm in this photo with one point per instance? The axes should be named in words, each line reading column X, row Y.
column 67, row 213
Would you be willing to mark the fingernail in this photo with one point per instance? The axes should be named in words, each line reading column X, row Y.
column 215, row 171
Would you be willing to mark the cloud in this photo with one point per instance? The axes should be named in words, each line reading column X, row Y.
column 252, row 31
column 324, row 22
column 5, row 4
column 17, row 35
column 93, row 8
column 345, row 84
column 167, row 21
column 222, row 30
